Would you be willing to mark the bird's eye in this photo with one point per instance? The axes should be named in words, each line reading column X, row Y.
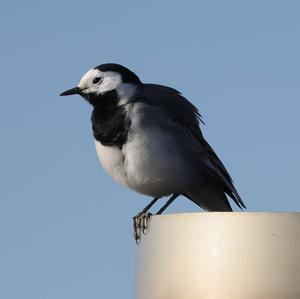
column 97, row 80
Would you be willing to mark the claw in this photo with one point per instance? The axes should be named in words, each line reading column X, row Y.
column 141, row 224
column 146, row 223
column 136, row 229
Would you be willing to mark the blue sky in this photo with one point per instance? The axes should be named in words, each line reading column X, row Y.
column 65, row 226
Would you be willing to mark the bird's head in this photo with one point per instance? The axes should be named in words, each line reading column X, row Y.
column 106, row 79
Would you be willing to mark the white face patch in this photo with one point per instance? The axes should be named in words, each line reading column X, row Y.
column 109, row 81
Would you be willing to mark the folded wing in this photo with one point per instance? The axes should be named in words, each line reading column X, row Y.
column 183, row 115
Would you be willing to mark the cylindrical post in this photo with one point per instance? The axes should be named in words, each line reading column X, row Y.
column 220, row 256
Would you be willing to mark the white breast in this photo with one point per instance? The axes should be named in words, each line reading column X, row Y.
column 112, row 160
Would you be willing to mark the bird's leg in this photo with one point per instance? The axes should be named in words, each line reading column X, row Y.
column 147, row 207
column 171, row 199
column 141, row 221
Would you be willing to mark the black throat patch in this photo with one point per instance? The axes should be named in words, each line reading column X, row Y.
column 109, row 122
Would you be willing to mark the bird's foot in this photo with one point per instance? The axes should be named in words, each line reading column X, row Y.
column 141, row 224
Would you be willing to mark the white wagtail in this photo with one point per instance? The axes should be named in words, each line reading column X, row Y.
column 148, row 139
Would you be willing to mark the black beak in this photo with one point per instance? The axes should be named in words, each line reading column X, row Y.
column 75, row 90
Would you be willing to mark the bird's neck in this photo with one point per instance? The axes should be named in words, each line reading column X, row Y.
column 126, row 92
column 109, row 122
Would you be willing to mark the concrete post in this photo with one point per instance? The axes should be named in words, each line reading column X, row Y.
column 220, row 256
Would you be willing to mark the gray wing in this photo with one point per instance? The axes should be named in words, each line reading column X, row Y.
column 171, row 100
column 186, row 118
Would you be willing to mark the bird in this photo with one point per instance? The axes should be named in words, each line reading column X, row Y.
column 148, row 139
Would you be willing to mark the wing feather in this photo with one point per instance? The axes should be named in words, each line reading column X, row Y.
column 186, row 117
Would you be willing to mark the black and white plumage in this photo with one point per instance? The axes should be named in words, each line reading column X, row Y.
column 148, row 139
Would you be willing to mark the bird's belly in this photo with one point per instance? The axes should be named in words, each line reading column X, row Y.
column 153, row 164
column 112, row 160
